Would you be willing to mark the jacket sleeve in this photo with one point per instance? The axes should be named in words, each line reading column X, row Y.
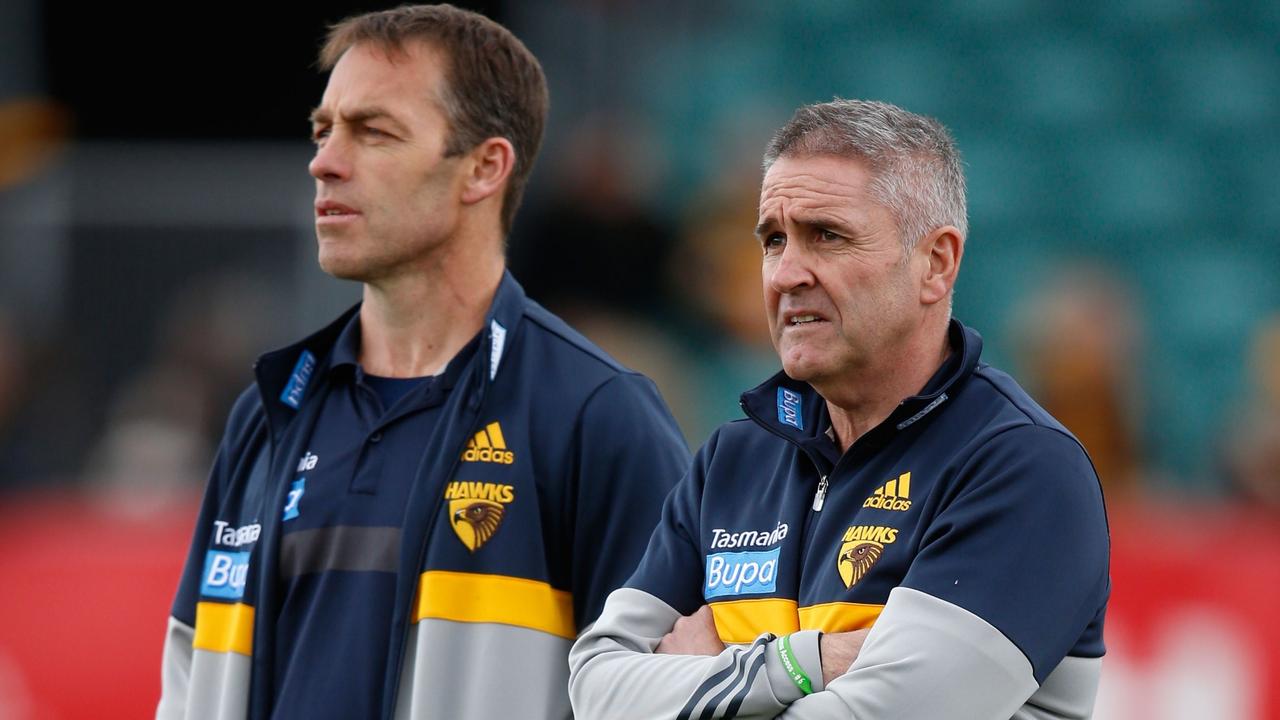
column 630, row 453
column 1007, row 577
column 614, row 672
column 177, row 657
column 175, row 677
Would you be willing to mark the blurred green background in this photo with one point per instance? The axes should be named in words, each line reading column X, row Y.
column 1123, row 259
column 1121, row 160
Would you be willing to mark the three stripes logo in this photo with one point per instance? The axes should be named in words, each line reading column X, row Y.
column 489, row 446
column 893, row 495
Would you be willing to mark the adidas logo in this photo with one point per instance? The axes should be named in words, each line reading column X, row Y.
column 893, row 495
column 489, row 446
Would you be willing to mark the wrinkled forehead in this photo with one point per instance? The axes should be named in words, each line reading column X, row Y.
column 814, row 181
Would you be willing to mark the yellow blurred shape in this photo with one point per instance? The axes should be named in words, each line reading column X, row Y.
column 32, row 130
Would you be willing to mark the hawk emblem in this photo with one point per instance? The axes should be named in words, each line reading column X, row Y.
column 475, row 520
column 856, row 558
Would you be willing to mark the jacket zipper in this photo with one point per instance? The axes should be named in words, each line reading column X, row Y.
column 820, row 497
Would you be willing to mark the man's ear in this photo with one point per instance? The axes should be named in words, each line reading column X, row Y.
column 490, row 165
column 943, row 248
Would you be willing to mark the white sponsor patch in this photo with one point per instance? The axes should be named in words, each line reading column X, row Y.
column 499, row 334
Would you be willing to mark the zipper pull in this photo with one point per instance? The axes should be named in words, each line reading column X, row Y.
column 820, row 497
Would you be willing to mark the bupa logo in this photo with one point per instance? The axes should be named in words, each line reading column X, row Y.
column 224, row 574
column 741, row 573
column 789, row 408
column 298, row 379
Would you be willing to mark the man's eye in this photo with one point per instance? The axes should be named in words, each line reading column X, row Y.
column 773, row 242
column 829, row 235
column 375, row 132
column 319, row 136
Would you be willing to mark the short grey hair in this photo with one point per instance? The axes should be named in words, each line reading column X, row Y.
column 916, row 168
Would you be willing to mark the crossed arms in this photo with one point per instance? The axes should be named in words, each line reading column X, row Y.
column 982, row 625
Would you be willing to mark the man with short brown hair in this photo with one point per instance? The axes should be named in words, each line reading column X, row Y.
column 493, row 86
column 415, row 511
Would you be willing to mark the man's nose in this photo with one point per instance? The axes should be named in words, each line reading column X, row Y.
column 791, row 270
column 332, row 161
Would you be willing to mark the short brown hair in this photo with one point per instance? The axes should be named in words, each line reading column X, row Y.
column 494, row 85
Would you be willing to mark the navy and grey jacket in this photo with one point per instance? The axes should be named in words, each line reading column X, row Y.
column 967, row 530
column 564, row 457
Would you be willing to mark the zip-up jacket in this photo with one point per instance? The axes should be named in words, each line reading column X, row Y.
column 570, row 456
column 967, row 531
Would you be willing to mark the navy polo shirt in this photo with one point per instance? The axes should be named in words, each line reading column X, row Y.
column 340, row 542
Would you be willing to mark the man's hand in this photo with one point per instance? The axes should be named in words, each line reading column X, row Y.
column 838, row 651
column 694, row 635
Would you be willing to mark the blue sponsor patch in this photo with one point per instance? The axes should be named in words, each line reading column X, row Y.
column 224, row 574
column 297, row 385
column 296, row 490
column 789, row 408
column 741, row 573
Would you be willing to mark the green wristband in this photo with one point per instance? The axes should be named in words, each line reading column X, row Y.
column 792, row 666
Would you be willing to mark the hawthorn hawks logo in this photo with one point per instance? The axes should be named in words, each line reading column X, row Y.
column 476, row 510
column 862, row 547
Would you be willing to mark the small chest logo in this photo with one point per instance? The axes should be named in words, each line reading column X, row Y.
column 308, row 462
column 862, row 547
column 296, row 491
column 489, row 446
column 789, row 408
column 476, row 510
column 297, row 385
column 893, row 495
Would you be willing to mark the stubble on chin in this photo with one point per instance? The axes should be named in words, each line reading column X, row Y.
column 333, row 261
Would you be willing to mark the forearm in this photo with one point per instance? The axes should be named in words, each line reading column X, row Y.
column 615, row 674
column 925, row 659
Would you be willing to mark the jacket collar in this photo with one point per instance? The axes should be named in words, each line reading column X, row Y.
column 287, row 377
column 794, row 410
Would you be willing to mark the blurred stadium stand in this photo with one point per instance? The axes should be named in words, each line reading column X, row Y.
column 1124, row 261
